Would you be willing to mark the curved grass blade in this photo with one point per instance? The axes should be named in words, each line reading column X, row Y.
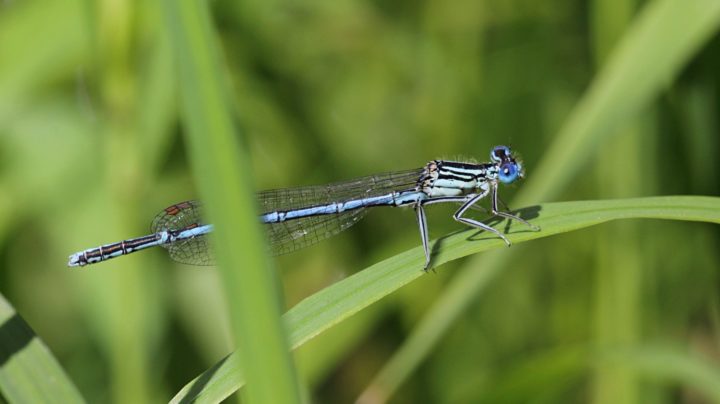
column 29, row 373
column 333, row 304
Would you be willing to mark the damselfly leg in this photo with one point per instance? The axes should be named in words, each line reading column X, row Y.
column 468, row 202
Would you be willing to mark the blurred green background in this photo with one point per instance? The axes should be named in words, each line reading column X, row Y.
column 91, row 149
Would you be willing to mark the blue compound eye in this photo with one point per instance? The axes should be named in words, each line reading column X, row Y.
column 509, row 172
column 500, row 153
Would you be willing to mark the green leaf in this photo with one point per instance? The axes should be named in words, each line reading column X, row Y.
column 29, row 373
column 331, row 305
column 220, row 167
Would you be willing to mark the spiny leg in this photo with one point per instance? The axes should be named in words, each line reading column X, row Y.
column 422, row 223
column 474, row 223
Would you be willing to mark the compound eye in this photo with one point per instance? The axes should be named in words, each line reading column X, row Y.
column 500, row 153
column 509, row 172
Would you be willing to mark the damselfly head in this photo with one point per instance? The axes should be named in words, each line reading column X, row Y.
column 509, row 168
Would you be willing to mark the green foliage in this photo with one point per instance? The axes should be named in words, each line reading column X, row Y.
column 28, row 371
column 335, row 303
column 110, row 111
column 219, row 163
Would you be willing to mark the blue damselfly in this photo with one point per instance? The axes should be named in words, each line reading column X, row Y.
column 299, row 217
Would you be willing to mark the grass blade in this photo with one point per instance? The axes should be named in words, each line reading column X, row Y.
column 333, row 304
column 29, row 373
column 251, row 289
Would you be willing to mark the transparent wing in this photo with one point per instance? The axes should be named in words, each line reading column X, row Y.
column 290, row 235
column 193, row 251
column 293, row 235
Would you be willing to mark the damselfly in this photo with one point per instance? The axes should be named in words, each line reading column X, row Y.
column 299, row 217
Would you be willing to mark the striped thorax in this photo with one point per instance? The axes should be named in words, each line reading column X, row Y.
column 442, row 178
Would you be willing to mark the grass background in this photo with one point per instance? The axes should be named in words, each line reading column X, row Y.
column 92, row 147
